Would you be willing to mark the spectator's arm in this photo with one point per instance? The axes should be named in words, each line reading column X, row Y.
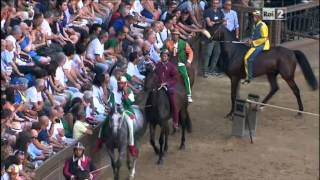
column 236, row 22
column 15, row 69
column 194, row 19
column 89, row 131
column 49, row 95
column 71, row 79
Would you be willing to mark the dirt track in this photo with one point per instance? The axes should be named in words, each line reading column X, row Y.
column 286, row 148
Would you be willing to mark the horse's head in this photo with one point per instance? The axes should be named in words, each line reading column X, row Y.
column 216, row 32
column 150, row 81
column 115, row 122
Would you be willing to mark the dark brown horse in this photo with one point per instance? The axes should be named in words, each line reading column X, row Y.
column 158, row 112
column 277, row 60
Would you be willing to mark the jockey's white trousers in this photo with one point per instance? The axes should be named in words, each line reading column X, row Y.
column 130, row 127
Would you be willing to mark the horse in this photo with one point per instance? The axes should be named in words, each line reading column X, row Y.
column 157, row 112
column 116, row 137
column 277, row 60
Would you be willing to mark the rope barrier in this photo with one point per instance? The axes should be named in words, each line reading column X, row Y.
column 284, row 108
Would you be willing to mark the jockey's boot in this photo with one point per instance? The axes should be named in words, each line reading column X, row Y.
column 98, row 145
column 190, row 99
column 246, row 81
column 133, row 150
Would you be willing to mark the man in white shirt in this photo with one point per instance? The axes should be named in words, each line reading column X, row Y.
column 153, row 51
column 34, row 97
column 132, row 69
column 95, row 51
column 165, row 31
column 157, row 29
column 113, row 84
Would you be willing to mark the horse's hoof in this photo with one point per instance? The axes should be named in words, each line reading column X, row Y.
column 298, row 115
column 131, row 177
column 229, row 116
column 182, row 147
column 160, row 162
column 157, row 151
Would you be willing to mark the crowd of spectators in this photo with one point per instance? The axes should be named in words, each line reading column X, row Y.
column 56, row 56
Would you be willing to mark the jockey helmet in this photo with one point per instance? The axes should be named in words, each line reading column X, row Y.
column 79, row 145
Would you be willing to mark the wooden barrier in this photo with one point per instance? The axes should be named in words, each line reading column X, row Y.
column 52, row 169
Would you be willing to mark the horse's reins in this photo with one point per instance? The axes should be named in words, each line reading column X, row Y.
column 234, row 42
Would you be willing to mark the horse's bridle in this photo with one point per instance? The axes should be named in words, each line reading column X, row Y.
column 214, row 33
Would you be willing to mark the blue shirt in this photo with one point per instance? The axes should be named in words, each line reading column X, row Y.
column 232, row 19
column 33, row 151
column 146, row 14
column 213, row 15
column 118, row 24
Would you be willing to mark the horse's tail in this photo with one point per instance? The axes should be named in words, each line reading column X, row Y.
column 306, row 69
column 188, row 123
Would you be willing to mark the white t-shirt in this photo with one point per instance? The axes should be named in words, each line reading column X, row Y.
column 95, row 48
column 33, row 96
column 97, row 93
column 46, row 29
column 60, row 76
column 56, row 128
column 136, row 7
column 132, row 70
column 165, row 34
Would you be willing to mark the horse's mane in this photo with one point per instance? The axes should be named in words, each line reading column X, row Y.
column 236, row 50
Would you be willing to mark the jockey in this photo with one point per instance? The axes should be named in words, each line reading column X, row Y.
column 78, row 164
column 167, row 73
column 182, row 53
column 259, row 43
column 127, row 102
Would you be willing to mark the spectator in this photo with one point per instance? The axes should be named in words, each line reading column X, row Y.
column 46, row 133
column 4, row 174
column 132, row 69
column 96, row 53
column 13, row 171
column 37, row 156
column 34, row 97
column 231, row 18
column 211, row 49
column 80, row 127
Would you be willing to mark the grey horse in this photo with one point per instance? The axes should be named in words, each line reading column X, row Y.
column 116, row 137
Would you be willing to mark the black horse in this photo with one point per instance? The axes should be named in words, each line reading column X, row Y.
column 277, row 60
column 157, row 112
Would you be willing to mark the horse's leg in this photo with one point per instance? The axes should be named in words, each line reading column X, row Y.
column 272, row 78
column 183, row 129
column 131, row 163
column 161, row 143
column 296, row 92
column 122, row 155
column 133, row 169
column 152, row 138
column 166, row 136
column 234, row 90
column 113, row 163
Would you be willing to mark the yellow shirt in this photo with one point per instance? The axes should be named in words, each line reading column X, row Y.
column 79, row 129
